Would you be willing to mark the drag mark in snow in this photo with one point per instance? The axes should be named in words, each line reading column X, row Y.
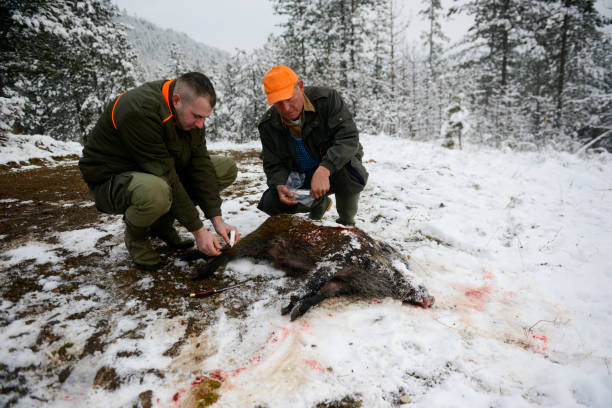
column 314, row 364
column 272, row 345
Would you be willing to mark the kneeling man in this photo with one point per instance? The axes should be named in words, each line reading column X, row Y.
column 309, row 130
column 146, row 158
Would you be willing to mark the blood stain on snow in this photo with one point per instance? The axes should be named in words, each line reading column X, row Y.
column 315, row 365
column 539, row 343
column 479, row 297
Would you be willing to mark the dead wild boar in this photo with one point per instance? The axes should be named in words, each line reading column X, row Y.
column 334, row 261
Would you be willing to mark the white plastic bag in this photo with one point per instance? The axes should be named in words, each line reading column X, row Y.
column 294, row 182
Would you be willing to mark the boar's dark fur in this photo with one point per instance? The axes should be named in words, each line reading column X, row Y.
column 334, row 260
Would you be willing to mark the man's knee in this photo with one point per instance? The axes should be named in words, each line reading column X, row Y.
column 150, row 198
column 270, row 204
column 225, row 169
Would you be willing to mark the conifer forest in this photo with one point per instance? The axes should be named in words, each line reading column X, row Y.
column 528, row 73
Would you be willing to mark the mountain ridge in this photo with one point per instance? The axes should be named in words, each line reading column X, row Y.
column 162, row 51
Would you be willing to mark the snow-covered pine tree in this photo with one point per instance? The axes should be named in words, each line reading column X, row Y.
column 492, row 55
column 175, row 64
column 242, row 101
column 67, row 58
column 433, row 39
column 574, row 59
column 383, row 98
column 323, row 41
column 454, row 124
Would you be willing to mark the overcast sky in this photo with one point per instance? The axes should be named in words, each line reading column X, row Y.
column 226, row 24
column 246, row 24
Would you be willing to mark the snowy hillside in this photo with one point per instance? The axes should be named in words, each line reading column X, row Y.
column 154, row 47
column 515, row 248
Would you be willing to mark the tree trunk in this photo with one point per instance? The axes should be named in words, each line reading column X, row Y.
column 505, row 50
column 561, row 70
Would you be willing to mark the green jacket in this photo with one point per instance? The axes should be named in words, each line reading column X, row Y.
column 138, row 132
column 329, row 134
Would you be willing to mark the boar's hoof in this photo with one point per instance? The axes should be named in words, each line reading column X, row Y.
column 304, row 304
column 288, row 308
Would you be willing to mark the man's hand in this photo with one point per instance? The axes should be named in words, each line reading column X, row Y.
column 319, row 185
column 225, row 229
column 206, row 242
column 286, row 196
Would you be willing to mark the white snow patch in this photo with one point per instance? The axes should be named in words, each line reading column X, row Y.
column 19, row 148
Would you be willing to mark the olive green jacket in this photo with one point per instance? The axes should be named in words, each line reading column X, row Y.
column 330, row 136
column 138, row 132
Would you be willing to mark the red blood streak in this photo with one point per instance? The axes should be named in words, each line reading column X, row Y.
column 475, row 293
column 218, row 375
column 353, row 230
column 479, row 297
column 176, row 397
column 315, row 365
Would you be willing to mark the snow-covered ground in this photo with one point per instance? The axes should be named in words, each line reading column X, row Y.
column 516, row 248
column 23, row 148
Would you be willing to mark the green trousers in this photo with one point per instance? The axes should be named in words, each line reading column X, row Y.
column 143, row 197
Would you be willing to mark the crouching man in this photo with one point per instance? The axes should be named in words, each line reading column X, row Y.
column 309, row 131
column 146, row 158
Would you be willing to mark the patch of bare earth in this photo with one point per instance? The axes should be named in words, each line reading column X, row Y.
column 35, row 205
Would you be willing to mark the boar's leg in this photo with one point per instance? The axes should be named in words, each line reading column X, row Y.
column 330, row 289
column 315, row 282
column 210, row 267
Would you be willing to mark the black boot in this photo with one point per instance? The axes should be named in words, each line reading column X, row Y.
column 317, row 212
column 164, row 229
